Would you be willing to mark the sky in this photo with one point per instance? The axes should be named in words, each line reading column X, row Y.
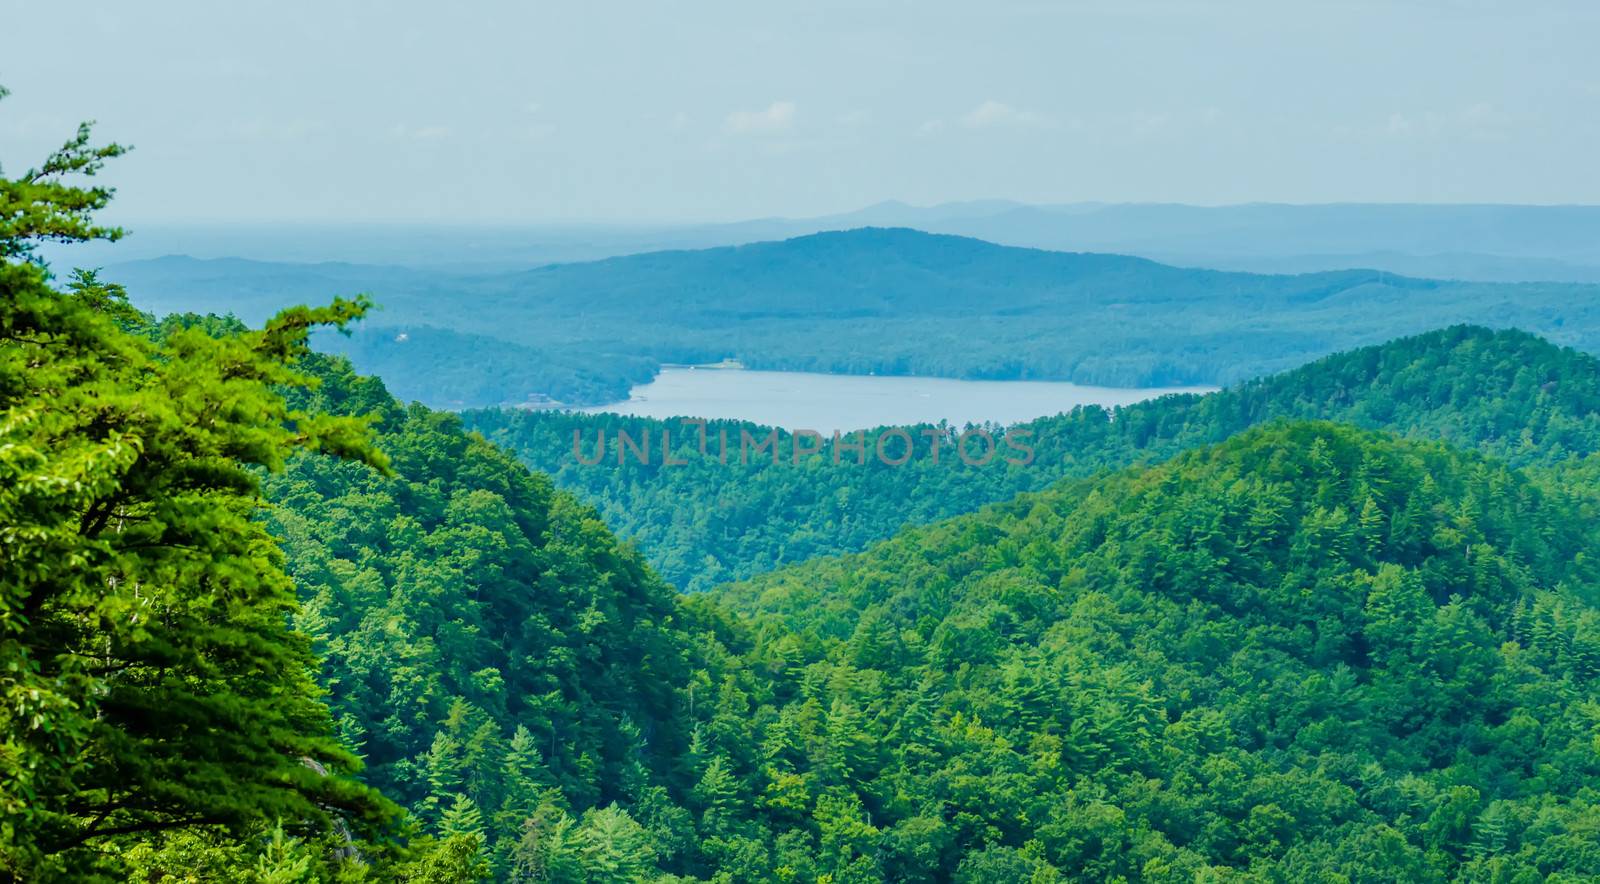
column 651, row 111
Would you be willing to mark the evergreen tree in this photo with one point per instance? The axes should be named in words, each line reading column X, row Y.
column 462, row 817
column 148, row 674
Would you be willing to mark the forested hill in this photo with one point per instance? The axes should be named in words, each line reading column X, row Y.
column 1506, row 393
column 1285, row 654
column 488, row 646
column 888, row 301
column 1307, row 654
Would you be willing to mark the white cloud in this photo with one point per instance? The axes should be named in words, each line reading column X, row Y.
column 274, row 130
column 931, row 127
column 1142, row 123
column 993, row 114
column 1481, row 121
column 778, row 117
column 419, row 133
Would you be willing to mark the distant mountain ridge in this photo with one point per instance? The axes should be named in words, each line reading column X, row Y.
column 889, row 301
column 1486, row 243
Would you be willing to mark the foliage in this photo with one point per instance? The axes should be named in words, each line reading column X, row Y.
column 1230, row 663
column 149, row 680
column 1309, row 653
column 447, row 369
column 491, row 650
column 43, row 204
column 706, row 522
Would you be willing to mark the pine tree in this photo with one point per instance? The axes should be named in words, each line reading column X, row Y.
column 150, row 677
column 716, row 796
column 525, row 775
column 462, row 817
column 549, row 849
column 445, row 769
column 284, row 860
column 615, row 848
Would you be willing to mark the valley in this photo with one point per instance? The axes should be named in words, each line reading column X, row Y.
column 817, row 443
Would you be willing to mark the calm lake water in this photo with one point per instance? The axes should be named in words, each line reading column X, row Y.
column 828, row 402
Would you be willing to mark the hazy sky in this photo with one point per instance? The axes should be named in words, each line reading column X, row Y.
column 653, row 110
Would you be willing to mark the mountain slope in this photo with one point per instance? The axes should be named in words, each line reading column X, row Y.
column 487, row 645
column 1506, row 393
column 1303, row 652
column 1308, row 653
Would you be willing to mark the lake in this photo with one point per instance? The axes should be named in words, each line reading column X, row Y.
column 827, row 402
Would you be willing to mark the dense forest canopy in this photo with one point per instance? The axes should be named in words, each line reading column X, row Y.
column 493, row 653
column 949, row 706
column 1505, row 393
column 884, row 301
column 385, row 623
column 1308, row 653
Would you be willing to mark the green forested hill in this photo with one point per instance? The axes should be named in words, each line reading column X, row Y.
column 1302, row 653
column 1506, row 393
column 1307, row 654
column 449, row 369
column 489, row 648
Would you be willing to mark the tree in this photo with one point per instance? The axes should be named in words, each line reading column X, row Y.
column 284, row 860
column 462, row 818
column 149, row 678
column 615, row 848
column 717, row 797
column 455, row 860
column 41, row 205
column 549, row 849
